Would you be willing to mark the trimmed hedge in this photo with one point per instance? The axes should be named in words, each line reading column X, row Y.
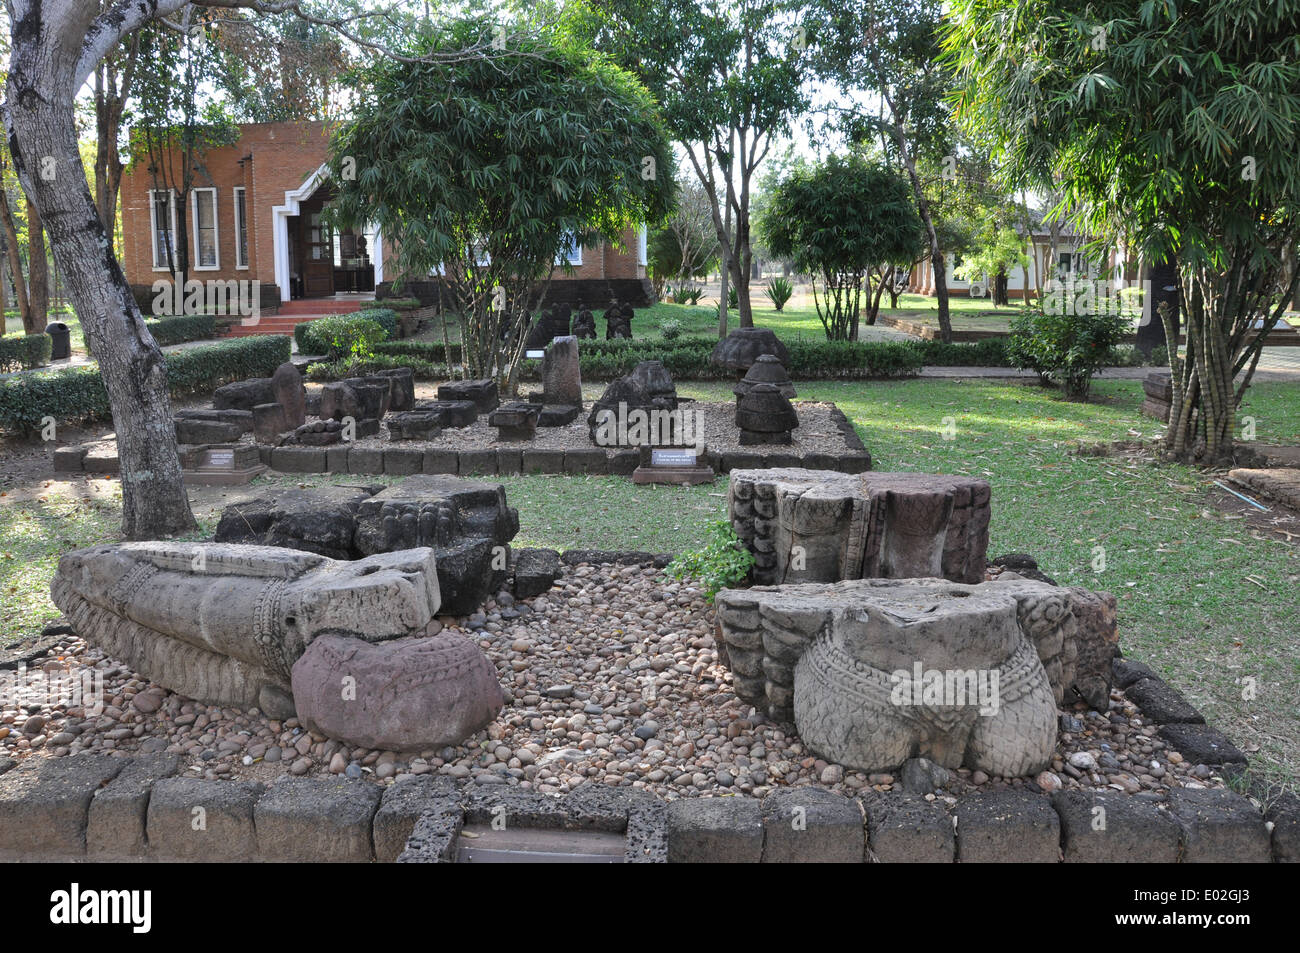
column 314, row 337
column 341, row 370
column 77, row 393
column 990, row 352
column 182, row 328
column 24, row 353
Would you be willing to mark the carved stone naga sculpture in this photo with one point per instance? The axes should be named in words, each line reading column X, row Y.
column 244, row 626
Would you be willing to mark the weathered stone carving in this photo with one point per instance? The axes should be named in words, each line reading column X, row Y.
column 516, row 420
column 648, row 388
column 551, row 323
column 766, row 369
column 874, row 672
column 212, row 426
column 291, row 394
column 320, row 520
column 741, row 348
column 561, row 373
column 467, row 523
column 405, row 695
column 318, row 433
column 822, row 526
column 482, row 392
column 584, row 325
column 224, row 624
column 765, row 416
column 618, row 321
column 244, row 395
column 452, row 413
column 402, row 387
column 416, row 425
column 269, row 422
column 360, row 398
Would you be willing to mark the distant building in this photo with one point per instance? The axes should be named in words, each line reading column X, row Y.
column 254, row 213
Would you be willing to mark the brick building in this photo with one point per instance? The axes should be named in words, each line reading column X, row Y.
column 253, row 213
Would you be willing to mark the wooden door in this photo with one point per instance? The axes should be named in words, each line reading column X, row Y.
column 317, row 257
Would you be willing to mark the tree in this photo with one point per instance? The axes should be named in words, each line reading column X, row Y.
column 730, row 78
column 489, row 169
column 999, row 247
column 115, row 76
column 55, row 46
column 838, row 220
column 176, row 124
column 1171, row 130
column 890, row 49
column 686, row 246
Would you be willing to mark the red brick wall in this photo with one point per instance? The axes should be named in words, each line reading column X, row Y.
column 283, row 155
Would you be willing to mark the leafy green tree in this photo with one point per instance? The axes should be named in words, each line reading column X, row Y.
column 998, row 248
column 177, row 120
column 889, row 49
column 730, row 76
column 837, row 220
column 1171, row 128
column 488, row 169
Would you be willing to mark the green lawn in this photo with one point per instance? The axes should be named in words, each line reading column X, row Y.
column 1203, row 598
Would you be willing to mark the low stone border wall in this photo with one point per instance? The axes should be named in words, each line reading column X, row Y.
column 103, row 808
column 397, row 460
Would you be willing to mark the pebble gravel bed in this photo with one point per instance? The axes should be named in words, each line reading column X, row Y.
column 612, row 677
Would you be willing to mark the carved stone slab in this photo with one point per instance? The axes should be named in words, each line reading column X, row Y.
column 823, row 526
column 224, row 623
column 853, row 663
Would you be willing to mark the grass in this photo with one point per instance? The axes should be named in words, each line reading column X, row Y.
column 1178, row 565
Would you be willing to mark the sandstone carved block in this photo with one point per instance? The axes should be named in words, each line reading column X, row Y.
column 874, row 672
column 224, row 623
column 823, row 526
column 404, row 695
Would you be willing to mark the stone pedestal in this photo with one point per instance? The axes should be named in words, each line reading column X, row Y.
column 482, row 392
column 1159, row 395
column 823, row 526
column 516, row 420
column 765, row 416
column 269, row 422
column 221, row 465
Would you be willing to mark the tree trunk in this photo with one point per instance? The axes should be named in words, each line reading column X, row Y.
column 41, row 124
column 1163, row 276
column 13, row 258
column 38, row 271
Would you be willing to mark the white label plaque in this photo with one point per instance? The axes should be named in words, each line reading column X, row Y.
column 219, row 459
column 672, row 458
column 534, row 355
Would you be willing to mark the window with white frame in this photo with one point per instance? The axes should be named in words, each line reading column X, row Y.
column 570, row 250
column 162, row 226
column 204, row 202
column 241, row 227
column 642, row 256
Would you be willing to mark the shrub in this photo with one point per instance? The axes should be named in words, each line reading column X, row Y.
column 182, row 328
column 24, row 353
column 990, row 352
column 360, row 367
column 402, row 304
column 1069, row 348
column 779, row 290
column 318, row 337
column 77, row 394
column 723, row 562
column 1160, row 356
column 671, row 329
column 733, row 298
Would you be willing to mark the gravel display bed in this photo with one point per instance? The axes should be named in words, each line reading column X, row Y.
column 612, row 677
